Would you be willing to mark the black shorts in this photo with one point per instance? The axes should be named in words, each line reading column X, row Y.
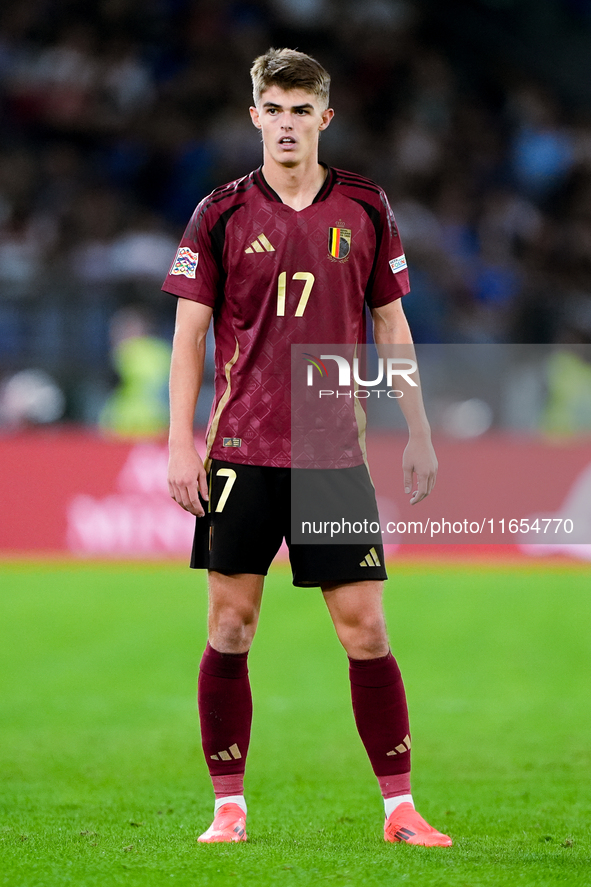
column 250, row 513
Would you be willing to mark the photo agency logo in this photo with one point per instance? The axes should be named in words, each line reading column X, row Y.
column 390, row 370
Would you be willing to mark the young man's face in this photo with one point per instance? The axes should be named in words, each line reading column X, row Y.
column 291, row 123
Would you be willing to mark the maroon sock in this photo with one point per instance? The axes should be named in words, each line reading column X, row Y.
column 381, row 715
column 225, row 713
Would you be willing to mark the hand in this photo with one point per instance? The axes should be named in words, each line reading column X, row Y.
column 419, row 458
column 186, row 479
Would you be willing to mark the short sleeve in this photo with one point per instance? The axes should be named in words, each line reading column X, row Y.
column 389, row 279
column 195, row 272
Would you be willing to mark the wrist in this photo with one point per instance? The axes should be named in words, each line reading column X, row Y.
column 422, row 432
column 178, row 443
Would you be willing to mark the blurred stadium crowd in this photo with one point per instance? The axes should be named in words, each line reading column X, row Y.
column 118, row 116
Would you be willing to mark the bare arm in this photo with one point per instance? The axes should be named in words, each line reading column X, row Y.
column 391, row 328
column 186, row 474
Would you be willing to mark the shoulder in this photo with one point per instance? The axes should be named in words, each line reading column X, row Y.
column 359, row 186
column 226, row 198
column 369, row 195
column 230, row 193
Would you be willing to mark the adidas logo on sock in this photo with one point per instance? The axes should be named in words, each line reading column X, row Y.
column 371, row 559
column 260, row 245
column 400, row 749
column 233, row 753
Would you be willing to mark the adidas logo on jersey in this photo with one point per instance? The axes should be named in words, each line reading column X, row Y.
column 400, row 749
column 371, row 559
column 260, row 245
column 233, row 753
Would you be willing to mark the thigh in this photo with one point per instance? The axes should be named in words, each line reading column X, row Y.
column 335, row 533
column 351, row 601
column 357, row 613
column 327, row 565
column 241, row 531
column 334, row 506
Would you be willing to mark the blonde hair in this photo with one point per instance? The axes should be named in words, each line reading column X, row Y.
column 289, row 69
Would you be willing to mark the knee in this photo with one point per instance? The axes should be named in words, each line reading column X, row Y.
column 364, row 637
column 234, row 604
column 232, row 628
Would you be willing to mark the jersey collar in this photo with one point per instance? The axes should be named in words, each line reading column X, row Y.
column 325, row 190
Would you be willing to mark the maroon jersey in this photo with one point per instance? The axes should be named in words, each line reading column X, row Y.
column 276, row 277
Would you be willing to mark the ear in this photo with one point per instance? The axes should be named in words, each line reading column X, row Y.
column 254, row 116
column 326, row 118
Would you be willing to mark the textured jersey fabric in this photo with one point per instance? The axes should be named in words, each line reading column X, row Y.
column 275, row 277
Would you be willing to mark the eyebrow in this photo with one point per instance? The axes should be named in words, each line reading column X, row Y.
column 293, row 108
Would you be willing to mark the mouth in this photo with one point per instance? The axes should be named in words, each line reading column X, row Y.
column 287, row 142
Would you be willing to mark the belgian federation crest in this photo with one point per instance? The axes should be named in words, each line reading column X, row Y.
column 339, row 242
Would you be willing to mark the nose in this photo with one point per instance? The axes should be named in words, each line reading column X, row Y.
column 286, row 123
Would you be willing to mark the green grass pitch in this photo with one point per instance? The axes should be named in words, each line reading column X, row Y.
column 103, row 781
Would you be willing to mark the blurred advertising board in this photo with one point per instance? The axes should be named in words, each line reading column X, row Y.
column 73, row 493
column 76, row 493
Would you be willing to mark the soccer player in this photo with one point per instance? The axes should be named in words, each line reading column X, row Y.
column 291, row 253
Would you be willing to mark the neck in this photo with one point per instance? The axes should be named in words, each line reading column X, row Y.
column 297, row 185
